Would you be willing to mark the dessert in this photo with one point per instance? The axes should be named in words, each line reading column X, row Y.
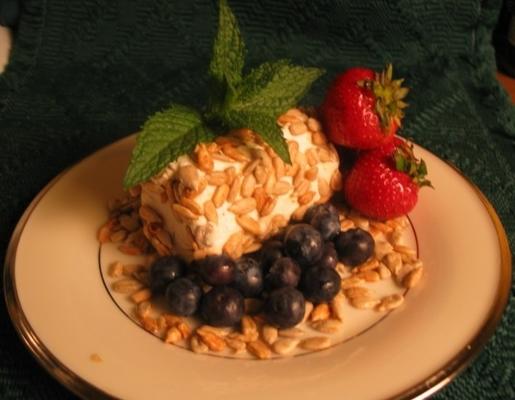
column 233, row 193
column 249, row 238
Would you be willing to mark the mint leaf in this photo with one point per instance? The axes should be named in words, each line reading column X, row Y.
column 273, row 88
column 164, row 137
column 265, row 93
column 265, row 126
column 228, row 50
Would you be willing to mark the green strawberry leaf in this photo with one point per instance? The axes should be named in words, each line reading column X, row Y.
column 228, row 50
column 263, row 125
column 164, row 137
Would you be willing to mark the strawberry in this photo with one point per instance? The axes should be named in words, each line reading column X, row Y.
column 384, row 182
column 363, row 109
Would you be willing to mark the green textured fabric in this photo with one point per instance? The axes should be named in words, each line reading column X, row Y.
column 86, row 72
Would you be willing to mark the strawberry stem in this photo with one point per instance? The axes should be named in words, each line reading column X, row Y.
column 405, row 161
column 389, row 95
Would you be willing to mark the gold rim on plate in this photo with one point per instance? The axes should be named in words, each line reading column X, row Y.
column 422, row 390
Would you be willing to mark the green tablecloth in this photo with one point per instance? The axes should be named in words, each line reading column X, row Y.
column 86, row 72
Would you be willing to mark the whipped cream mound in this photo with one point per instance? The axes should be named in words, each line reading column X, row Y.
column 232, row 194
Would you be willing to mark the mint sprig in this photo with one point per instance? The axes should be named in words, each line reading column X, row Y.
column 228, row 58
column 254, row 101
column 165, row 136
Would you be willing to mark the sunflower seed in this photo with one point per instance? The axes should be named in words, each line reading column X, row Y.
column 390, row 302
column 243, row 206
column 291, row 333
column 306, row 197
column 363, row 302
column 235, row 189
column 337, row 306
column 286, row 119
column 230, row 173
column 393, row 261
column 237, row 345
column 279, row 167
column 203, row 158
column 126, row 286
column 250, row 167
column 248, row 186
column 405, row 250
column 197, row 346
column 312, row 157
column 311, row 174
column 116, row 269
column 315, row 343
column 212, row 341
column 323, row 188
column 249, row 224
column 148, row 215
column 173, row 336
column 314, row 125
column 383, row 271
column 285, row 346
column 299, row 212
column 216, row 178
column 220, row 195
column 327, row 326
column 269, row 334
column 268, row 206
column 259, row 349
column 412, row 278
column 233, row 243
column 298, row 128
column 295, row 112
column 248, row 326
column 210, row 212
column 150, row 325
column 144, row 309
column 320, row 312
column 184, row 212
column 260, row 174
column 141, row 295
column 318, row 138
column 281, row 188
column 358, row 292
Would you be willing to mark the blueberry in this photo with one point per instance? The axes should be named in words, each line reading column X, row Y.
column 283, row 272
column 303, row 243
column 329, row 257
column 327, row 223
column 248, row 278
column 216, row 270
column 354, row 246
column 285, row 307
column 320, row 284
column 271, row 251
column 163, row 271
column 183, row 296
column 326, row 208
column 222, row 306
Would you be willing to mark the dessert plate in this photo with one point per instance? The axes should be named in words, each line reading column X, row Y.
column 63, row 313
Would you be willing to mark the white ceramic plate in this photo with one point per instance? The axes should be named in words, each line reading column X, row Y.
column 64, row 314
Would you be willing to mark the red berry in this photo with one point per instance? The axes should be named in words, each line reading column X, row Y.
column 362, row 109
column 384, row 183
